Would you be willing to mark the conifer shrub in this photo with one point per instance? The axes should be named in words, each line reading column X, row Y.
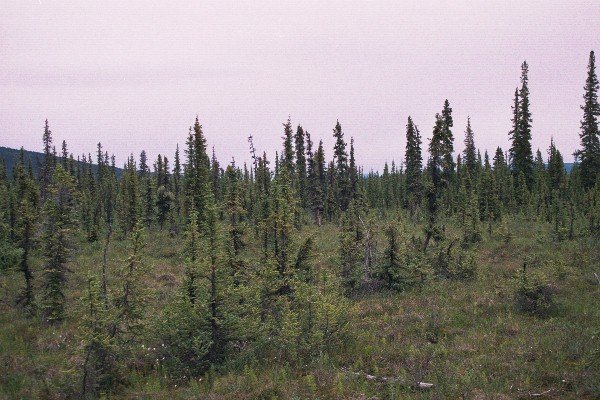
column 403, row 264
column 504, row 230
column 533, row 294
column 101, row 370
column 463, row 266
column 472, row 228
column 352, row 249
column 453, row 262
column 183, row 339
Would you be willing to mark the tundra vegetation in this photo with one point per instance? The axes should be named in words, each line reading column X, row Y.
column 297, row 276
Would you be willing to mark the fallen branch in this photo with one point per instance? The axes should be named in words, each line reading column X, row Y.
column 536, row 394
column 388, row 379
column 541, row 394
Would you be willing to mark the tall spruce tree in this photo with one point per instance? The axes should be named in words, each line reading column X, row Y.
column 514, row 131
column 470, row 152
column 197, row 171
column 24, row 224
column 589, row 154
column 353, row 172
column 435, row 183
column 177, row 182
column 218, row 280
column 413, row 163
column 317, row 181
column 437, row 152
column 301, row 168
column 202, row 165
column 10, row 255
column 164, row 196
column 215, row 176
column 147, row 191
column 129, row 197
column 57, row 239
column 341, row 183
column 521, row 152
column 556, row 168
column 501, row 175
column 288, row 146
column 99, row 366
column 235, row 209
column 131, row 301
column 64, row 155
column 47, row 163
column 447, row 143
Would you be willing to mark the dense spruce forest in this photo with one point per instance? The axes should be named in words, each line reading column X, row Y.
column 301, row 275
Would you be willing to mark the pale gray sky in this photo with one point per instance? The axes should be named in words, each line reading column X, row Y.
column 134, row 74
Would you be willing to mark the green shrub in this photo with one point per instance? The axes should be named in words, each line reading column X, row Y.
column 402, row 264
column 454, row 264
column 463, row 267
column 181, row 341
column 533, row 294
column 504, row 230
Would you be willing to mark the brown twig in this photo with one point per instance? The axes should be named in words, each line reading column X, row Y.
column 389, row 379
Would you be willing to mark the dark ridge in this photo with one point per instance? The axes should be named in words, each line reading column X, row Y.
column 33, row 158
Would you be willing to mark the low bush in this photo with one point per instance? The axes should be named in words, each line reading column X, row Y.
column 533, row 295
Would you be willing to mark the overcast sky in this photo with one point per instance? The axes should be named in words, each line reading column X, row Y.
column 134, row 74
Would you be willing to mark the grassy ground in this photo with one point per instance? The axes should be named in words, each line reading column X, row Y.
column 464, row 337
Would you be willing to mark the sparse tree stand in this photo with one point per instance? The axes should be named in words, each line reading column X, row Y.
column 247, row 301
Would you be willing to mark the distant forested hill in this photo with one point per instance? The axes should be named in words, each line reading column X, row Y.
column 33, row 158
column 10, row 157
column 569, row 167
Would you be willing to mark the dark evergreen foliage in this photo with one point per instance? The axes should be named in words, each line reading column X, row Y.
column 589, row 154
